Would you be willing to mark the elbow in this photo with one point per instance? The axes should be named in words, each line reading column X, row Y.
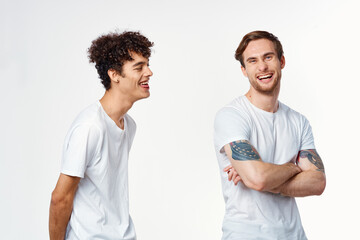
column 261, row 182
column 55, row 199
column 255, row 186
column 259, row 187
column 321, row 187
column 257, row 183
column 58, row 200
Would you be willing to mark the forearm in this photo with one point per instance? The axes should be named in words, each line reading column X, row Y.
column 267, row 176
column 61, row 205
column 60, row 213
column 304, row 184
column 311, row 181
column 255, row 173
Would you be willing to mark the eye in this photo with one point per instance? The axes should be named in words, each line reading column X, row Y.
column 138, row 68
column 268, row 57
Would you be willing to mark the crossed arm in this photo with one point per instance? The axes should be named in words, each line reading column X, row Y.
column 305, row 178
column 61, row 205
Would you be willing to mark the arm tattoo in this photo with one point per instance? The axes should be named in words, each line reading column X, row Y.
column 314, row 158
column 242, row 150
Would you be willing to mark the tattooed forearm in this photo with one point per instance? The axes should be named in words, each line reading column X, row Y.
column 242, row 150
column 314, row 158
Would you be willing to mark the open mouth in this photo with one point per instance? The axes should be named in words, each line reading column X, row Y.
column 265, row 77
column 145, row 84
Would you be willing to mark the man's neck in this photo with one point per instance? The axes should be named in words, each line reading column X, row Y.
column 116, row 106
column 266, row 102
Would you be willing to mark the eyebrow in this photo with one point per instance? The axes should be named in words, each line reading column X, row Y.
column 139, row 63
column 251, row 58
column 264, row 55
column 268, row 53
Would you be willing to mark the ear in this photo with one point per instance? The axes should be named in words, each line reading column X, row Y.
column 113, row 75
column 244, row 71
column 282, row 62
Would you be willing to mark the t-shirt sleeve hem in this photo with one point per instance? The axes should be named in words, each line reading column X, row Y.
column 72, row 173
column 308, row 146
column 229, row 140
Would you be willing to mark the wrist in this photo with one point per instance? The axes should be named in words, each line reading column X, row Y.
column 293, row 167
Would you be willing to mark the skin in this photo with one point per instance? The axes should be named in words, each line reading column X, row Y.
column 260, row 59
column 311, row 181
column 126, row 88
column 61, row 205
column 305, row 178
column 255, row 173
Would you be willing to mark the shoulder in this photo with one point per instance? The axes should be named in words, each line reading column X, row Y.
column 232, row 122
column 233, row 119
column 235, row 110
column 90, row 119
column 294, row 115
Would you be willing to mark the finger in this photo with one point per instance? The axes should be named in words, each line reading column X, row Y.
column 227, row 168
column 237, row 180
column 234, row 175
column 230, row 174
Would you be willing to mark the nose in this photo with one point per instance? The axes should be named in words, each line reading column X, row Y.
column 262, row 66
column 149, row 72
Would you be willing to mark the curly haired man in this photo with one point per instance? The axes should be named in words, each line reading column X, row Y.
column 90, row 200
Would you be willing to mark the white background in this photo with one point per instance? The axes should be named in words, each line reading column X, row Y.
column 175, row 190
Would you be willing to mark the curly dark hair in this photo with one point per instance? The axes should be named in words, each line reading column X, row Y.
column 112, row 50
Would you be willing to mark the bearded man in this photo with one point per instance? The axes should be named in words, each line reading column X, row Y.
column 265, row 150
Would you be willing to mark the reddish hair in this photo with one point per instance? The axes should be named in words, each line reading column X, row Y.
column 256, row 35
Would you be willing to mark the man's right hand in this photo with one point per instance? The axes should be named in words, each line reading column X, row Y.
column 232, row 175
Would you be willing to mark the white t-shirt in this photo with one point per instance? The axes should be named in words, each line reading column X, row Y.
column 278, row 137
column 97, row 150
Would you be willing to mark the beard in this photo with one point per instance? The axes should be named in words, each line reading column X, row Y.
column 267, row 89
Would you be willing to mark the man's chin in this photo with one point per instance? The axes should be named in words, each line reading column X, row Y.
column 266, row 90
column 144, row 96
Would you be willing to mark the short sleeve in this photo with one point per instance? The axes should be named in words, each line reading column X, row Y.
column 81, row 145
column 230, row 125
column 307, row 139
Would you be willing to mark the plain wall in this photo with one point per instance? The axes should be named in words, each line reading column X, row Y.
column 175, row 190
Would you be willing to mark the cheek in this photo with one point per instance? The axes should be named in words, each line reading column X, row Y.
column 244, row 71
column 137, row 78
column 278, row 66
column 133, row 81
column 251, row 73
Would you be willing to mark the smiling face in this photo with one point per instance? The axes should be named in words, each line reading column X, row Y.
column 262, row 66
column 133, row 81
